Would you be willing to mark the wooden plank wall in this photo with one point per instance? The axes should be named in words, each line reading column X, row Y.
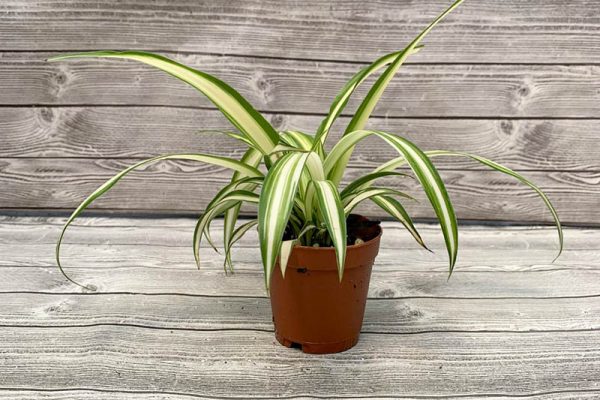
column 512, row 80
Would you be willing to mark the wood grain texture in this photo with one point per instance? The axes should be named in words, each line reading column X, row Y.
column 132, row 132
column 504, row 326
column 514, row 81
column 484, row 31
column 402, row 316
column 309, row 87
column 504, row 80
column 481, row 195
column 103, row 394
column 154, row 256
column 241, row 362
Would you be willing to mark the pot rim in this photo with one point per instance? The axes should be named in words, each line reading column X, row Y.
column 353, row 246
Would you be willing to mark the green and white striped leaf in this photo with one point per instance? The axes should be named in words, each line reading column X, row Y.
column 365, row 109
column 397, row 162
column 425, row 172
column 341, row 100
column 252, row 157
column 203, row 223
column 314, row 166
column 434, row 188
column 284, row 255
column 282, row 148
column 276, row 202
column 220, row 203
column 332, row 211
column 239, row 181
column 350, row 202
column 303, row 142
column 235, row 108
column 287, row 246
column 366, row 180
column 505, row 170
column 106, row 186
column 237, row 235
column 241, row 196
column 362, row 114
column 298, row 139
column 241, row 138
column 397, row 211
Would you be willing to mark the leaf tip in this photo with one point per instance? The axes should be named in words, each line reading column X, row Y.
column 557, row 256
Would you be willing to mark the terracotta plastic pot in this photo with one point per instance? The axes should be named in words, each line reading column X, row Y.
column 312, row 309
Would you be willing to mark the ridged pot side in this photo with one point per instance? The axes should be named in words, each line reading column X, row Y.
column 311, row 308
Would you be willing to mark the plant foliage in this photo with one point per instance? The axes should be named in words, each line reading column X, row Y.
column 300, row 199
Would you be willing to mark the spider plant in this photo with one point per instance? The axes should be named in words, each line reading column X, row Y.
column 300, row 198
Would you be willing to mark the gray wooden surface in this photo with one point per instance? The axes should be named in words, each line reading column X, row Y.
column 512, row 80
column 508, row 324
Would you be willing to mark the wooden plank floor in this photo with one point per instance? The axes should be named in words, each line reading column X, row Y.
column 508, row 324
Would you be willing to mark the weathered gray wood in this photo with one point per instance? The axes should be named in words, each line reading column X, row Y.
column 508, row 324
column 154, row 256
column 85, row 394
column 381, row 316
column 233, row 362
column 482, row 195
column 112, row 132
column 483, row 31
column 468, row 282
column 477, row 75
column 174, row 232
column 502, row 326
column 310, row 87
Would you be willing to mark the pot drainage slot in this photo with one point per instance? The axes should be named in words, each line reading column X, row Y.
column 294, row 345
column 302, row 270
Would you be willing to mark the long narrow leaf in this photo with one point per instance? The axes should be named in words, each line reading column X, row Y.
column 335, row 220
column 284, row 255
column 351, row 202
column 304, row 142
column 203, row 222
column 300, row 140
column 276, row 201
column 221, row 203
column 359, row 120
column 397, row 211
column 397, row 162
column 247, row 184
column 237, row 235
column 237, row 109
column 434, row 189
column 424, row 171
column 341, row 100
column 252, row 157
column 501, row 168
column 366, row 180
column 220, row 161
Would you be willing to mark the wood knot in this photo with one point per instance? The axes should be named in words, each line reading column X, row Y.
column 60, row 78
column 62, row 306
column 523, row 91
column 277, row 121
column 47, row 114
column 411, row 313
column 262, row 84
column 507, row 127
column 387, row 293
column 263, row 87
column 89, row 288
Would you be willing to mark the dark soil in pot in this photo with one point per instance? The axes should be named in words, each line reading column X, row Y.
column 312, row 309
